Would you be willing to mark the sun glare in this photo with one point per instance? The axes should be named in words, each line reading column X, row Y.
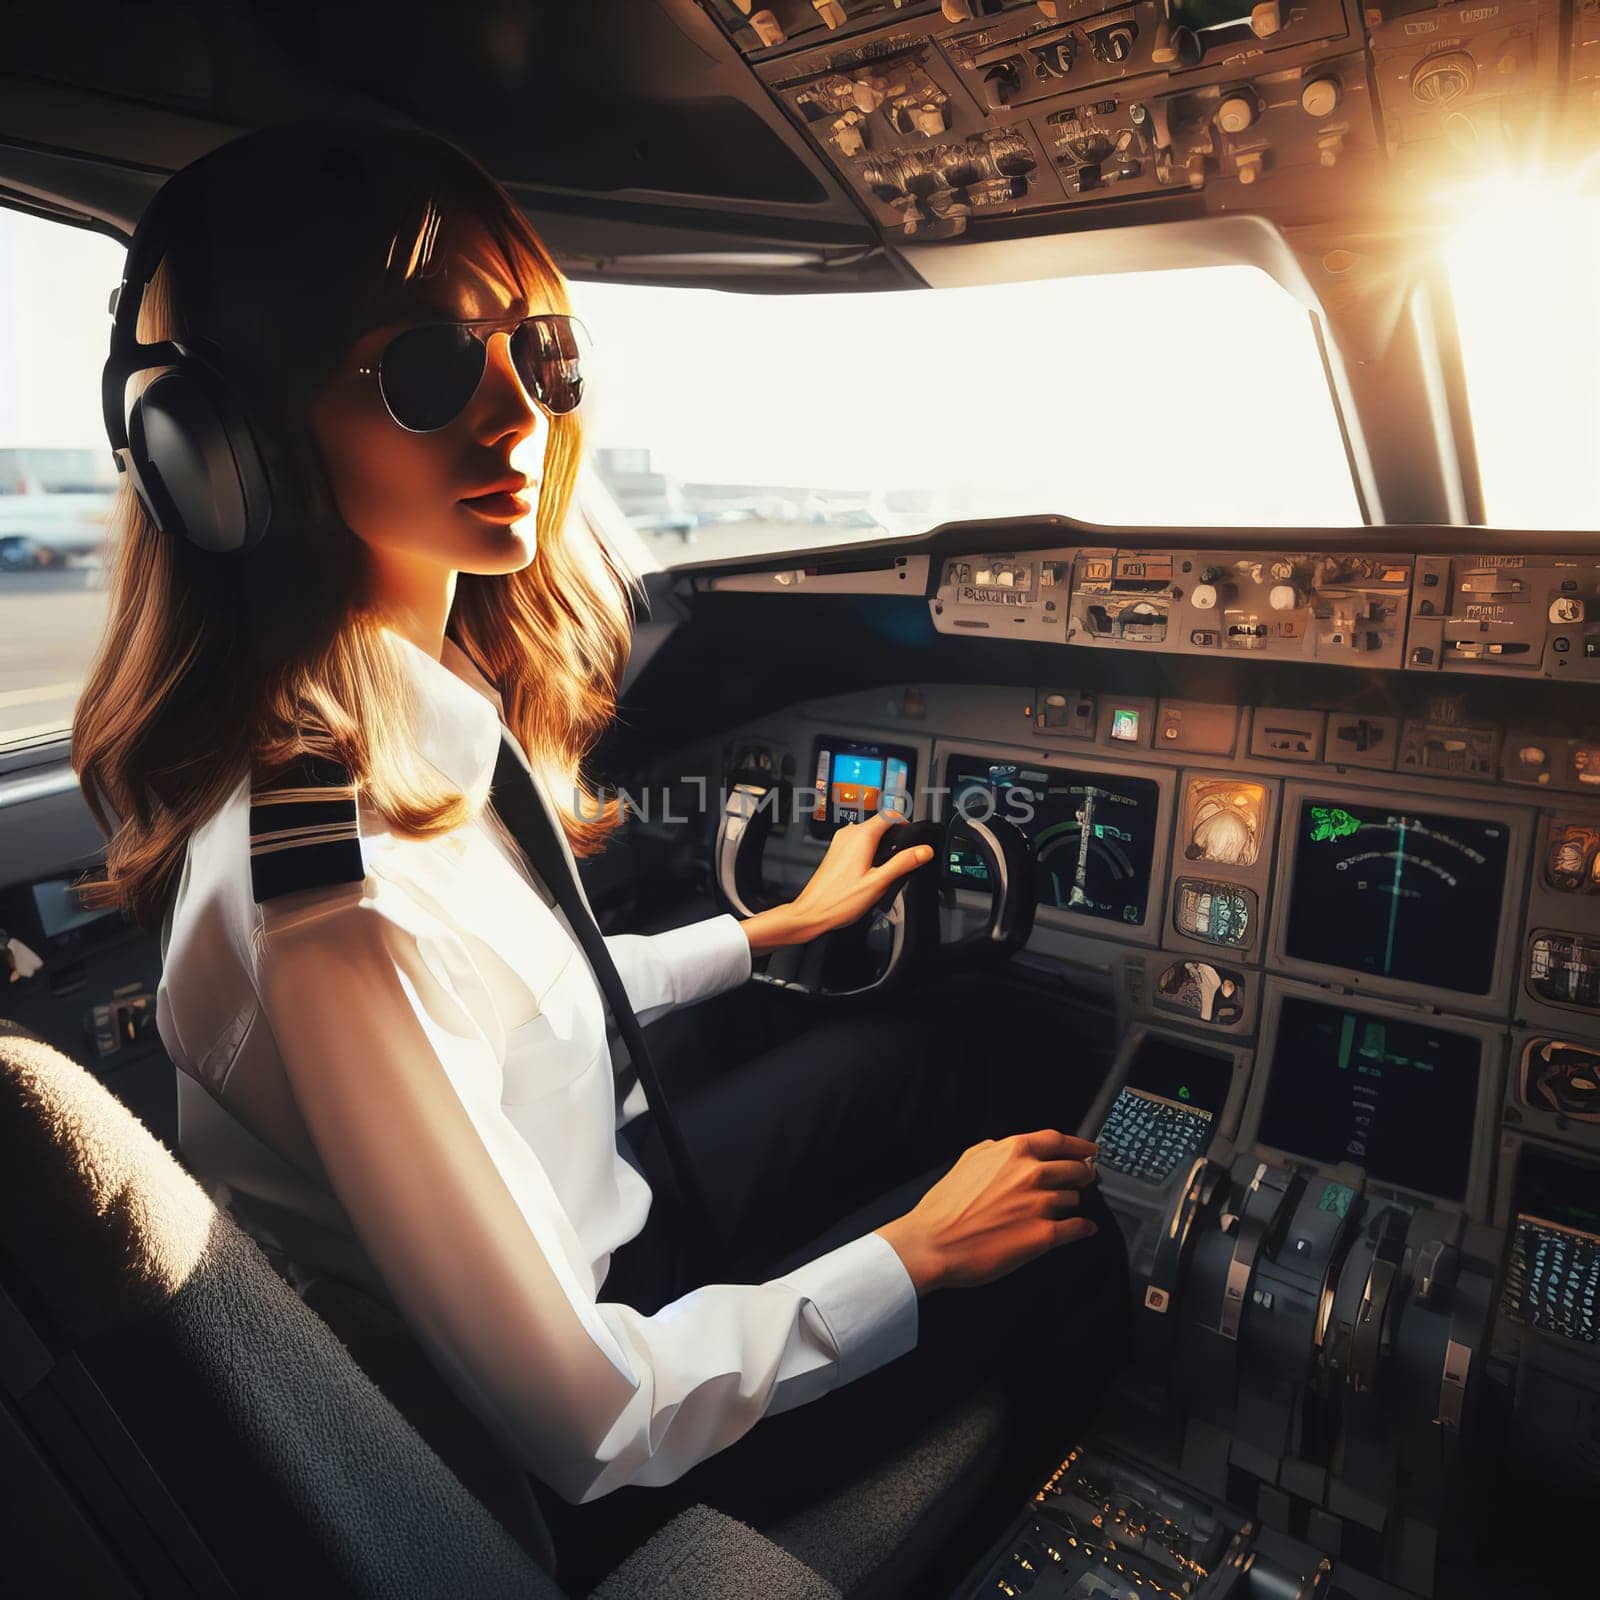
column 1524, row 267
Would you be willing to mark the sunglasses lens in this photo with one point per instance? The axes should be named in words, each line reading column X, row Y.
column 548, row 352
column 429, row 374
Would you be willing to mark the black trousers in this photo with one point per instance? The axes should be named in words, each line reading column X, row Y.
column 808, row 1146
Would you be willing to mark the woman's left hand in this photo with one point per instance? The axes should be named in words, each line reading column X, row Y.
column 842, row 889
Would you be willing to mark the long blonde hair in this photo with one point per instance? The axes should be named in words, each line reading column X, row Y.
column 216, row 665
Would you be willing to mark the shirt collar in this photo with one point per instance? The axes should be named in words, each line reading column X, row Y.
column 459, row 715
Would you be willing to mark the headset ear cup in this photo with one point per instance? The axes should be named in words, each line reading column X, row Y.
column 255, row 481
column 196, row 463
column 146, row 479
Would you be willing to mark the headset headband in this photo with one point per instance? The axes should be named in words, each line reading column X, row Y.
column 151, row 238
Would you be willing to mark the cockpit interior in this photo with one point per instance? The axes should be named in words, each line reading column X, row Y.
column 1153, row 448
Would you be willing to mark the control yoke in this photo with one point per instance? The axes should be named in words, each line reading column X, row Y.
column 899, row 937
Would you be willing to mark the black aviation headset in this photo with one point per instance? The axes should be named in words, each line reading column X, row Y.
column 190, row 448
column 190, row 445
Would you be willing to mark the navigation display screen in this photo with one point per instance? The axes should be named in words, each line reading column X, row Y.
column 1093, row 833
column 1410, row 896
column 1397, row 1098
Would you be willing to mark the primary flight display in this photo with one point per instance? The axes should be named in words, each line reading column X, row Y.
column 1093, row 833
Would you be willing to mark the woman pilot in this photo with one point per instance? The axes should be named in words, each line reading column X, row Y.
column 346, row 589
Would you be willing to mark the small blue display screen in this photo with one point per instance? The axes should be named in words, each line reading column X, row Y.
column 864, row 770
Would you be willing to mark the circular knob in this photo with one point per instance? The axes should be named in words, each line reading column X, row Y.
column 1283, row 597
column 1235, row 114
column 1204, row 597
column 1320, row 97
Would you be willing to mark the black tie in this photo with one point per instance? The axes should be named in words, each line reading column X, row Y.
column 522, row 808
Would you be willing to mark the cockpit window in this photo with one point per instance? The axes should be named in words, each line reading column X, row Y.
column 743, row 423
column 1532, row 361
column 56, row 474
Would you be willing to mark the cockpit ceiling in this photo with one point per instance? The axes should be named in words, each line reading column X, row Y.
column 826, row 126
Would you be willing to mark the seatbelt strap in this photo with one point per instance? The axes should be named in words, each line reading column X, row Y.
column 524, row 811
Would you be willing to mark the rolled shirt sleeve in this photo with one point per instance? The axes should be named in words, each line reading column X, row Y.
column 395, row 1054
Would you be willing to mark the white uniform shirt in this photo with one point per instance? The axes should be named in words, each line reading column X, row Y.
column 419, row 1061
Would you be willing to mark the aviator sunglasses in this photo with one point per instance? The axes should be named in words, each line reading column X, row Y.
column 429, row 373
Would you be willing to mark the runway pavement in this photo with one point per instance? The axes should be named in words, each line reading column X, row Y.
column 51, row 622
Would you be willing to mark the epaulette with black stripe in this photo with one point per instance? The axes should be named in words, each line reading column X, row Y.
column 304, row 831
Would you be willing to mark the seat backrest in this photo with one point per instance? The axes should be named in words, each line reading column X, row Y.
column 170, row 1411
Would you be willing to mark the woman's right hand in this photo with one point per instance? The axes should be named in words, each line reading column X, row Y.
column 1004, row 1202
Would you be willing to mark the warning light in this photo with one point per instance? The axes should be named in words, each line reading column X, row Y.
column 1125, row 724
column 1183, row 1091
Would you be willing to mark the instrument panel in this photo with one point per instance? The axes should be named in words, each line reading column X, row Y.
column 1352, row 1133
column 1428, row 930
column 1504, row 615
column 941, row 116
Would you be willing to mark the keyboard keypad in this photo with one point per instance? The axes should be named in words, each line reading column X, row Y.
column 1147, row 1135
column 1553, row 1281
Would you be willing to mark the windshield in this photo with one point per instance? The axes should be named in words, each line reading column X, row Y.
column 739, row 423
column 1532, row 361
